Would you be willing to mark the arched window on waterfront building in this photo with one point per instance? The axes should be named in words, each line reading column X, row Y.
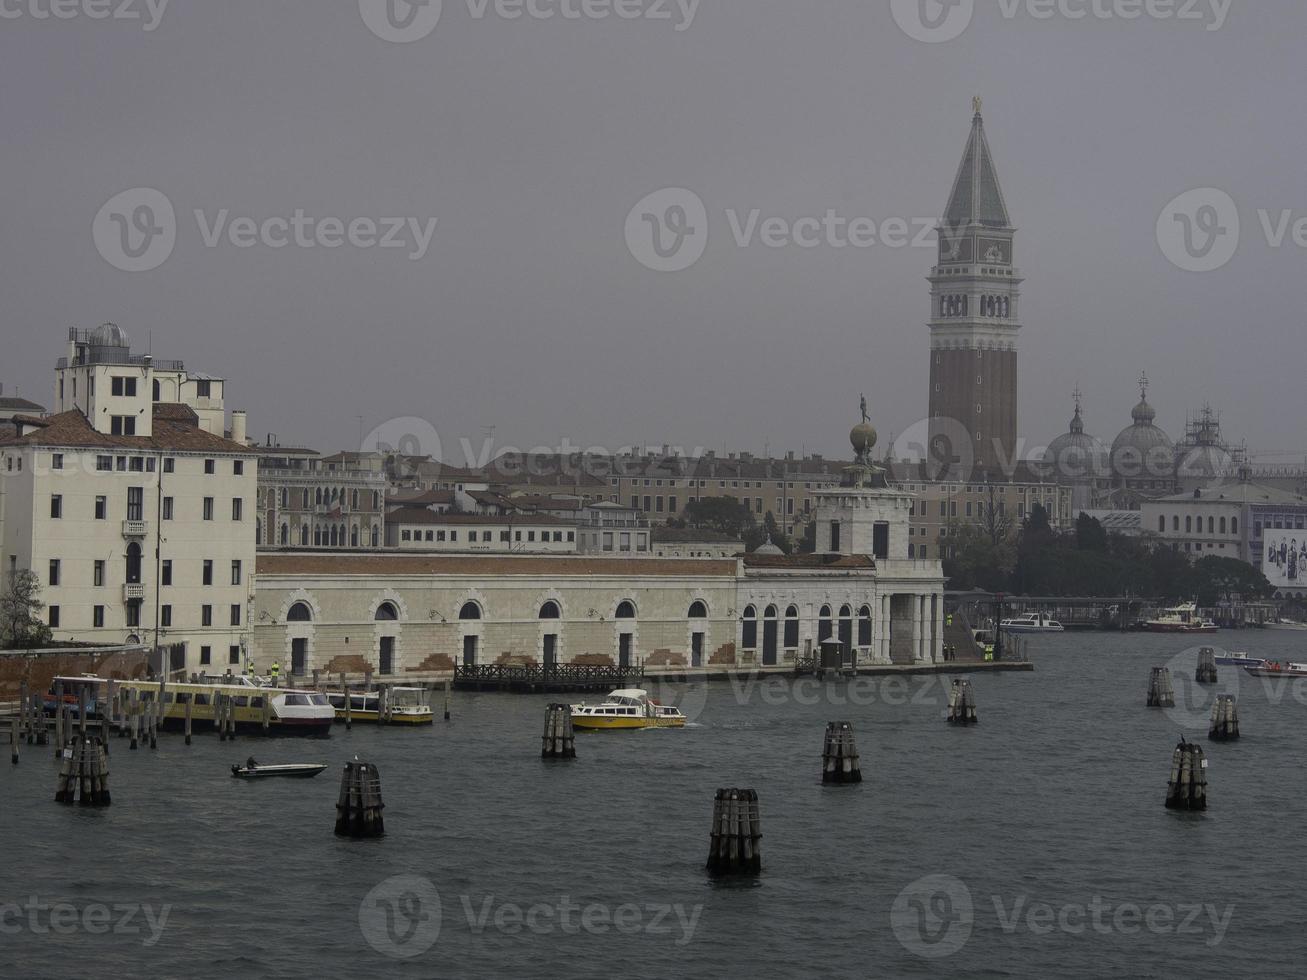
column 304, row 536
column 846, row 627
column 750, row 641
column 792, row 628
column 374, row 537
column 1222, row 525
column 1211, row 525
column 134, row 564
column 698, row 610
column 1189, row 525
column 285, row 534
column 300, row 613
column 1234, row 525
column 317, row 497
column 1175, row 523
column 626, row 610
column 469, row 611
column 550, row 610
column 386, row 613
column 1161, row 523
column 825, row 628
column 864, row 626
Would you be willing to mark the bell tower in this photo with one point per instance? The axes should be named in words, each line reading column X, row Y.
column 975, row 319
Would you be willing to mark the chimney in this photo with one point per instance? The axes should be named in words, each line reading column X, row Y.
column 238, row 427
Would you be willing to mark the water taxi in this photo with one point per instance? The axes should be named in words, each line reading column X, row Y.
column 287, row 711
column 407, row 706
column 1239, row 660
column 301, row 770
column 626, row 710
column 1277, row 669
column 1033, row 623
column 1181, row 619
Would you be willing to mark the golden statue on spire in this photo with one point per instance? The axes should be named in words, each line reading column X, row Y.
column 976, row 103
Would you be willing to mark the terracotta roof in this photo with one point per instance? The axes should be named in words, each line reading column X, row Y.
column 466, row 565
column 175, row 412
column 72, row 430
column 838, row 562
column 419, row 515
column 421, row 499
column 19, row 405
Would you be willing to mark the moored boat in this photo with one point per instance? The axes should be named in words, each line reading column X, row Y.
column 1239, row 660
column 406, row 706
column 1033, row 623
column 1183, row 618
column 626, row 710
column 302, row 770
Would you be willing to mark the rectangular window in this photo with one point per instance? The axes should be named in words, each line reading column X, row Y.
column 168, row 464
column 165, row 571
column 103, row 464
column 208, row 508
column 671, row 505
column 208, row 572
column 206, row 656
column 234, row 657
column 235, row 573
column 54, row 572
column 625, row 541
column 206, row 615
column 99, row 574
column 167, row 508
column 122, row 425
column 56, row 506
column 133, row 614
column 209, row 465
column 238, row 467
column 120, row 464
column 97, row 617
column 136, row 503
column 57, row 461
column 236, row 506
column 101, row 508
column 54, row 617
column 137, row 464
column 235, row 615
column 165, row 616
column 658, row 504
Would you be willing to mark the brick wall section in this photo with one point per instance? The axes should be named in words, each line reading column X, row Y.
column 40, row 669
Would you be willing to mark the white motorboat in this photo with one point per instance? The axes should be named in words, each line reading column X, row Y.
column 1033, row 623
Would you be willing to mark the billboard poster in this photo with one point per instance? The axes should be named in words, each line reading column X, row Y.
column 1284, row 558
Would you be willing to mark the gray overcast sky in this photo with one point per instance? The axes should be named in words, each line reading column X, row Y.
column 531, row 140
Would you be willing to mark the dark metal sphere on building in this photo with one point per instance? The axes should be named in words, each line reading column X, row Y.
column 863, row 438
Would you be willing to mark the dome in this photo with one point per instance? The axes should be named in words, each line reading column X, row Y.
column 1206, row 463
column 1142, row 450
column 770, row 548
column 1077, row 455
column 109, row 335
column 864, row 438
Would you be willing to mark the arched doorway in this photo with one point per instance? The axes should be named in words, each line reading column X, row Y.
column 386, row 613
column 550, row 614
column 470, row 613
column 698, row 632
column 625, row 633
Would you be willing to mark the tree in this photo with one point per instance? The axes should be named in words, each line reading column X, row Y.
column 1090, row 535
column 20, row 605
column 1220, row 579
column 995, row 522
column 724, row 514
column 976, row 560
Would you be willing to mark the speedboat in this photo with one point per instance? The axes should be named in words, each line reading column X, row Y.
column 1274, row 668
column 626, row 710
column 1183, row 618
column 408, row 706
column 1240, row 660
column 1033, row 623
column 252, row 770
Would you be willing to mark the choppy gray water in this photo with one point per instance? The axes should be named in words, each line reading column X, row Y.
column 1034, row 845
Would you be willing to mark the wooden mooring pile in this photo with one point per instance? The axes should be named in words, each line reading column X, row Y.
column 1225, row 720
column 839, row 755
column 1160, row 692
column 84, row 767
column 736, row 831
column 559, row 738
column 1206, row 666
column 358, row 810
column 962, row 704
column 1187, row 789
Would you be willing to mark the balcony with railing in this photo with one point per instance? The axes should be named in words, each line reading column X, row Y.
column 133, row 592
column 135, row 529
